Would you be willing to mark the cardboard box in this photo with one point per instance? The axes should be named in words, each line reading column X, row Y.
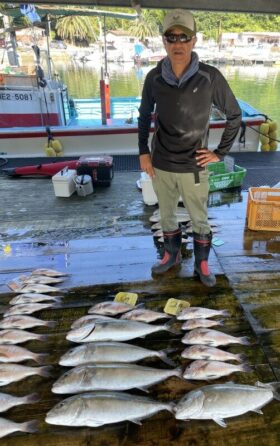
column 64, row 182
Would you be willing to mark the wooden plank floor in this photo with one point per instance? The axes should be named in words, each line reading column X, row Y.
column 101, row 264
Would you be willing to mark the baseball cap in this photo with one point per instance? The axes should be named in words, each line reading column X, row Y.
column 181, row 18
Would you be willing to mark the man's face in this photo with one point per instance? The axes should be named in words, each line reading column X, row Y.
column 178, row 52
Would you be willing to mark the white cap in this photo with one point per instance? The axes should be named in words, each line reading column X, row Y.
column 181, row 18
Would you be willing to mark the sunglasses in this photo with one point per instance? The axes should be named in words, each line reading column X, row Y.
column 182, row 38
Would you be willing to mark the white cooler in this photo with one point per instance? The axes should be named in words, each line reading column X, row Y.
column 64, row 182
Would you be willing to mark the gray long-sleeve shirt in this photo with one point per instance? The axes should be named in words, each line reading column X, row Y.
column 182, row 117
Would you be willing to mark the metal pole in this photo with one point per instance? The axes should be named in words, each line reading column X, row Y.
column 105, row 47
column 48, row 31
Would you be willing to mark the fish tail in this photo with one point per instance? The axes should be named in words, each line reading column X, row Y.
column 245, row 368
column 240, row 357
column 45, row 370
column 40, row 358
column 57, row 299
column 244, row 340
column 225, row 313
column 42, row 337
column 32, row 398
column 221, row 322
column 274, row 386
column 168, row 327
column 30, row 426
column 51, row 324
column 178, row 372
column 163, row 356
column 171, row 407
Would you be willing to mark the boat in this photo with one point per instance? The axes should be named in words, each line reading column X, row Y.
column 28, row 108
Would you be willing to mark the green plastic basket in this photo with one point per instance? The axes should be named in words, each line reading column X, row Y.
column 219, row 178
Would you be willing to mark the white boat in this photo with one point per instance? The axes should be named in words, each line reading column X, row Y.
column 26, row 109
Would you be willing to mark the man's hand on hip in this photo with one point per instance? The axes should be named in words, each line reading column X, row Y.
column 205, row 156
column 146, row 165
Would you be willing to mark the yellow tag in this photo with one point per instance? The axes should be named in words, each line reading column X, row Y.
column 127, row 298
column 7, row 249
column 174, row 306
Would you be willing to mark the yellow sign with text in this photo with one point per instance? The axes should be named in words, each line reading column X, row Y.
column 174, row 306
column 127, row 298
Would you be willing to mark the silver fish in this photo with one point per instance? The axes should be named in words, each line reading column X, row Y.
column 14, row 353
column 111, row 308
column 118, row 330
column 48, row 272
column 219, row 401
column 22, row 322
column 99, row 408
column 210, row 353
column 109, row 377
column 190, row 324
column 8, row 427
column 199, row 312
column 45, row 280
column 143, row 315
column 213, row 338
column 201, row 369
column 7, row 401
column 84, row 320
column 30, row 298
column 10, row 373
column 37, row 288
column 15, row 336
column 104, row 352
column 28, row 308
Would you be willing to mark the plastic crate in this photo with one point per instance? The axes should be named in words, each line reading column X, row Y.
column 220, row 178
column 263, row 209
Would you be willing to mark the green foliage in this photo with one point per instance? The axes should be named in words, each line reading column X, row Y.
column 76, row 27
column 145, row 26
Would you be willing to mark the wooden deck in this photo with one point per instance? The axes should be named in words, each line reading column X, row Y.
column 104, row 242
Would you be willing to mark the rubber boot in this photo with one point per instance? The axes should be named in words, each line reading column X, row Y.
column 172, row 253
column 202, row 245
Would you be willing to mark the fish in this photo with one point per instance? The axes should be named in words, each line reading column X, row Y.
column 201, row 369
column 8, row 427
column 115, row 376
column 213, row 338
column 15, row 336
column 8, row 401
column 46, row 280
column 28, row 308
column 118, row 330
column 14, row 353
column 98, row 408
column 48, row 272
column 144, row 315
column 10, row 373
column 30, row 298
column 37, row 288
column 84, row 320
column 111, row 308
column 211, row 353
column 190, row 324
column 22, row 322
column 104, row 352
column 199, row 312
column 218, row 401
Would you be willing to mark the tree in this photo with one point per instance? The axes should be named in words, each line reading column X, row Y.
column 75, row 27
column 144, row 27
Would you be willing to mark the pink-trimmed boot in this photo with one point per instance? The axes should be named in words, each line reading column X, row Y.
column 172, row 254
column 202, row 245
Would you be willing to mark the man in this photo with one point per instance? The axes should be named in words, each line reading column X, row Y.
column 181, row 91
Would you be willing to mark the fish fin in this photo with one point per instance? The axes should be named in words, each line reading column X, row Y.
column 225, row 313
column 240, row 357
column 51, row 324
column 274, row 386
column 220, row 322
column 30, row 426
column 144, row 389
column 220, row 422
column 136, row 422
column 43, row 337
column 40, row 358
column 168, row 327
column 163, row 356
column 45, row 370
column 245, row 368
column 32, row 398
column 259, row 411
column 244, row 340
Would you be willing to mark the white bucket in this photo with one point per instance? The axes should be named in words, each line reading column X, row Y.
column 84, row 185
